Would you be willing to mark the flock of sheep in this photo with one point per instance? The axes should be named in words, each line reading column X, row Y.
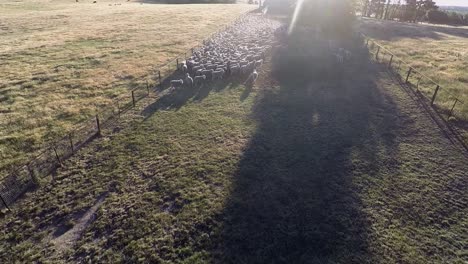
column 234, row 54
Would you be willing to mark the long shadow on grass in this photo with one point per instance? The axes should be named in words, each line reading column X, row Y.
column 175, row 98
column 294, row 198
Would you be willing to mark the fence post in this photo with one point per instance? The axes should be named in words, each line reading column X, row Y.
column 4, row 203
column 435, row 95
column 57, row 156
column 32, row 175
column 390, row 63
column 417, row 85
column 409, row 74
column 147, row 87
column 453, row 107
column 133, row 98
column 98, row 125
column 177, row 63
column 377, row 54
column 71, row 142
column 159, row 74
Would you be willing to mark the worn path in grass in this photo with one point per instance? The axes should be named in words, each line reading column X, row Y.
column 349, row 170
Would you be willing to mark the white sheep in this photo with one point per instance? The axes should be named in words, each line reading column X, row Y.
column 177, row 83
column 339, row 58
column 199, row 72
column 211, row 66
column 218, row 74
column 252, row 78
column 199, row 80
column 188, row 80
column 196, row 68
column 244, row 69
column 235, row 70
column 348, row 55
column 208, row 73
column 258, row 63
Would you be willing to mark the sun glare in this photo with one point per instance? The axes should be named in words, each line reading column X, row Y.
column 297, row 11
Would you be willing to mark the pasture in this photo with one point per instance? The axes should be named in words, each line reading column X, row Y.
column 437, row 51
column 340, row 168
column 61, row 61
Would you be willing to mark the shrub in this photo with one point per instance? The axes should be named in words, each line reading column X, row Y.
column 437, row 17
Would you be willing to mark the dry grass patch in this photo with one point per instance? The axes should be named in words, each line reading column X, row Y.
column 440, row 52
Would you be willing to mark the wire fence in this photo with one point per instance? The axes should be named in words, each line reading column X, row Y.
column 53, row 154
column 448, row 105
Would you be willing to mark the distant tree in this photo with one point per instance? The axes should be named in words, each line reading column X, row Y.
column 455, row 18
column 376, row 8
column 424, row 6
column 437, row 17
column 411, row 9
column 387, row 9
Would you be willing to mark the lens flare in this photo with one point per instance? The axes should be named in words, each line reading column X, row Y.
column 297, row 10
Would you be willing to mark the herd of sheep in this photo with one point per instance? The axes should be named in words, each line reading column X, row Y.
column 234, row 54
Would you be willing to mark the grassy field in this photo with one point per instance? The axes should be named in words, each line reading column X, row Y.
column 60, row 61
column 439, row 52
column 327, row 171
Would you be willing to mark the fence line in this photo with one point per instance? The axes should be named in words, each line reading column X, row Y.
column 449, row 109
column 53, row 154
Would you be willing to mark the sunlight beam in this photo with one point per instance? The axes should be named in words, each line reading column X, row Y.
column 297, row 10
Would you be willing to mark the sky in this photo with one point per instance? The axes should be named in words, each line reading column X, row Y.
column 452, row 2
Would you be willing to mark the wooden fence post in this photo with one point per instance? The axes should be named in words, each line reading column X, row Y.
column 57, row 156
column 4, row 203
column 417, row 84
column 177, row 63
column 71, row 142
column 32, row 175
column 453, row 108
column 159, row 74
column 377, row 54
column 435, row 95
column 98, row 125
column 409, row 74
column 133, row 98
column 147, row 87
column 390, row 63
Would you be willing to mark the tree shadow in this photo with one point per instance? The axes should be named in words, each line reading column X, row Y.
column 294, row 198
column 392, row 30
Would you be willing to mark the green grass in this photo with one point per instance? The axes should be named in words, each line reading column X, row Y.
column 325, row 172
column 61, row 61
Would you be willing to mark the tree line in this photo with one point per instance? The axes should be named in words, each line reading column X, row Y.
column 411, row 11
